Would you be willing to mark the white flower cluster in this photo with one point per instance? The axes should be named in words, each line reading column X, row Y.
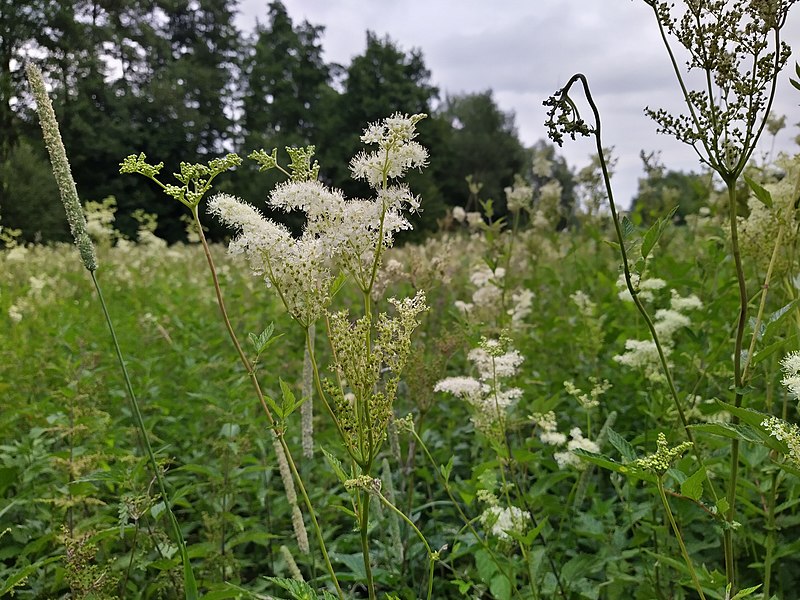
column 643, row 354
column 549, row 434
column 757, row 231
column 487, row 299
column 487, row 394
column 791, row 370
column 500, row 521
column 644, row 288
column 519, row 196
column 339, row 234
column 788, row 433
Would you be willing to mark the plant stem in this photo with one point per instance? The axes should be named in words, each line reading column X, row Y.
column 730, row 570
column 190, row 584
column 363, row 526
column 432, row 557
column 461, row 514
column 259, row 393
column 698, row 587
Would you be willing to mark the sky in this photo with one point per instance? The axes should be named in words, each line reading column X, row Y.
column 524, row 50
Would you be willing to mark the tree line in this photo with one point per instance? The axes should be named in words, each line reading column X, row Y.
column 177, row 80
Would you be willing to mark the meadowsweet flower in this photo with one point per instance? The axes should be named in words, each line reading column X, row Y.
column 474, row 219
column 500, row 521
column 541, row 165
column 681, row 303
column 459, row 214
column 522, row 305
column 789, row 433
column 576, row 442
column 589, row 399
column 548, row 433
column 397, row 152
column 298, row 268
column 642, row 354
column 663, row 457
column 488, row 396
column 669, row 321
column 519, row 196
column 791, row 370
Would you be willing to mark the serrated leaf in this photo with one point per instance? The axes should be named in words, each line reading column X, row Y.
column 734, row 431
column 336, row 465
column 760, row 192
column 628, row 228
column 612, row 465
column 289, row 400
column 621, row 444
column 445, row 470
column 693, row 486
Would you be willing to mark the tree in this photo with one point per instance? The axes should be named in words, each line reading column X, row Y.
column 380, row 82
column 286, row 86
column 662, row 190
column 484, row 144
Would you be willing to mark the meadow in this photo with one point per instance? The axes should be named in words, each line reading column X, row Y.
column 531, row 404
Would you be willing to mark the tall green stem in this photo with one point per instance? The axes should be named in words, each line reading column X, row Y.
column 730, row 568
column 684, row 553
column 188, row 576
column 259, row 393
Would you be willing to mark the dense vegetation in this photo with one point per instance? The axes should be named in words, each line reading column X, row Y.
column 545, row 399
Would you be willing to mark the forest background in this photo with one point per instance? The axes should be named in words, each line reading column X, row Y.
column 180, row 81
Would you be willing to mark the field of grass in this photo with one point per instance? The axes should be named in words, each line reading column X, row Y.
column 80, row 511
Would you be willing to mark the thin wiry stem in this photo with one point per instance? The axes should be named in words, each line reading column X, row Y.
column 259, row 393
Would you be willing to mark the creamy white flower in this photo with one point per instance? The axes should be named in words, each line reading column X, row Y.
column 503, row 520
column 459, row 214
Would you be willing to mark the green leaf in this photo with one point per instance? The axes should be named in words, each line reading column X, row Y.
column 610, row 464
column 628, row 228
column 500, row 587
column 485, row 565
column 653, row 234
column 762, row 194
column 445, row 470
column 745, row 592
column 335, row 465
column 621, row 444
column 289, row 400
column 734, row 431
column 693, row 486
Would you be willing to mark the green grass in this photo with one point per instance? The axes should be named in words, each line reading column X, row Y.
column 71, row 466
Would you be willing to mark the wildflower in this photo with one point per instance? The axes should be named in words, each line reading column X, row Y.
column 519, row 196
column 642, row 354
column 591, row 399
column 397, row 152
column 489, row 398
column 791, row 370
column 501, row 521
column 459, row 214
column 577, row 442
column 548, row 425
column 522, row 306
column 789, row 433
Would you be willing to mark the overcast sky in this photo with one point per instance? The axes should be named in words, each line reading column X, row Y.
column 524, row 50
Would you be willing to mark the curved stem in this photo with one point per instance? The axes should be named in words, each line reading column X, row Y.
column 432, row 556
